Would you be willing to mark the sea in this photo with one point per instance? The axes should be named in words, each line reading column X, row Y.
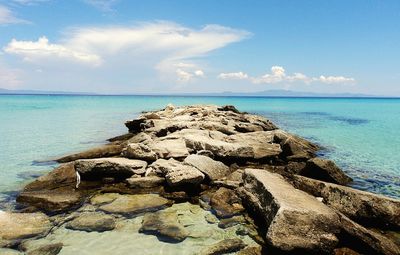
column 362, row 135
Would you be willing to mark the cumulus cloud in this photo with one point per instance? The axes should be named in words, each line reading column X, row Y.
column 233, row 76
column 41, row 49
column 8, row 17
column 278, row 75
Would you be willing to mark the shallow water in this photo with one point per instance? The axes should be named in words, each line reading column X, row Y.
column 361, row 135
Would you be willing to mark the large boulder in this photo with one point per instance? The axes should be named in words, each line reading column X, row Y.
column 294, row 147
column 120, row 168
column 165, row 225
column 170, row 148
column 135, row 204
column 226, row 203
column 325, row 170
column 53, row 192
column 213, row 169
column 296, row 221
column 364, row 207
column 136, row 125
column 177, row 173
column 92, row 221
column 110, row 150
column 366, row 241
column 17, row 226
column 140, row 151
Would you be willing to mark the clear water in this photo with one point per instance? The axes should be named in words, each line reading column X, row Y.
column 361, row 135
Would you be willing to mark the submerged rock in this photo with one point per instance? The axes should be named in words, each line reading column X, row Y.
column 92, row 221
column 224, row 247
column 325, row 170
column 109, row 167
column 226, row 203
column 16, row 226
column 295, row 220
column 213, row 169
column 135, row 204
column 361, row 206
column 177, row 173
column 165, row 225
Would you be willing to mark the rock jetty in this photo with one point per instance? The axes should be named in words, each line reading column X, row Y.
column 266, row 187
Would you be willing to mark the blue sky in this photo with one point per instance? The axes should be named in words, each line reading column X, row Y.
column 121, row 46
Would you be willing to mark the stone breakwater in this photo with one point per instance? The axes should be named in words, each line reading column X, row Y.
column 182, row 169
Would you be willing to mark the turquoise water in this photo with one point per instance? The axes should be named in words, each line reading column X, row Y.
column 361, row 135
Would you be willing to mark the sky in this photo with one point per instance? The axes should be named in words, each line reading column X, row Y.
column 129, row 46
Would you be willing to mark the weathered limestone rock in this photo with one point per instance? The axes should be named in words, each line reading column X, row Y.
column 177, row 173
column 294, row 147
column 15, row 226
column 213, row 169
column 164, row 224
column 170, row 148
column 367, row 241
column 6, row 251
column 224, row 247
column 251, row 250
column 140, row 151
column 261, row 142
column 363, row 207
column 296, row 221
column 92, row 221
column 99, row 152
column 48, row 249
column 52, row 201
column 109, row 167
column 325, row 170
column 134, row 204
column 145, row 182
column 226, row 203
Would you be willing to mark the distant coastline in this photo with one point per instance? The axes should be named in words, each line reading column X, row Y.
column 261, row 94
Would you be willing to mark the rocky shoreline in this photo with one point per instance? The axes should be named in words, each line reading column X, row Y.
column 254, row 188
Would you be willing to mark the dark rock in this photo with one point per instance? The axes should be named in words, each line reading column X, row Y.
column 123, row 137
column 145, row 182
column 224, row 247
column 364, row 207
column 251, row 250
column 122, row 168
column 165, row 225
column 325, row 170
column 136, row 125
column 99, row 152
column 226, row 203
column 229, row 108
column 294, row 147
column 92, row 221
column 295, row 221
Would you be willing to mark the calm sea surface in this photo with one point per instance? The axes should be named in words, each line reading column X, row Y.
column 361, row 135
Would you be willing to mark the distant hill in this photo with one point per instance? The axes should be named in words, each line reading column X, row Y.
column 265, row 93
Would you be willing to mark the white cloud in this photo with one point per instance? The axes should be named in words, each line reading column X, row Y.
column 7, row 17
column 233, row 76
column 278, row 75
column 41, row 49
column 103, row 5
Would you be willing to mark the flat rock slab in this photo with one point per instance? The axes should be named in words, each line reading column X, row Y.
column 92, row 221
column 295, row 220
column 224, row 247
column 325, row 170
column 165, row 225
column 99, row 152
column 135, row 204
column 48, row 249
column 170, row 148
column 140, row 151
column 145, row 182
column 16, row 226
column 6, row 251
column 361, row 206
column 213, row 169
column 110, row 167
column 177, row 173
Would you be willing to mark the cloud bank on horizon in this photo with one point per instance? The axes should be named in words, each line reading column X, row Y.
column 153, row 55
